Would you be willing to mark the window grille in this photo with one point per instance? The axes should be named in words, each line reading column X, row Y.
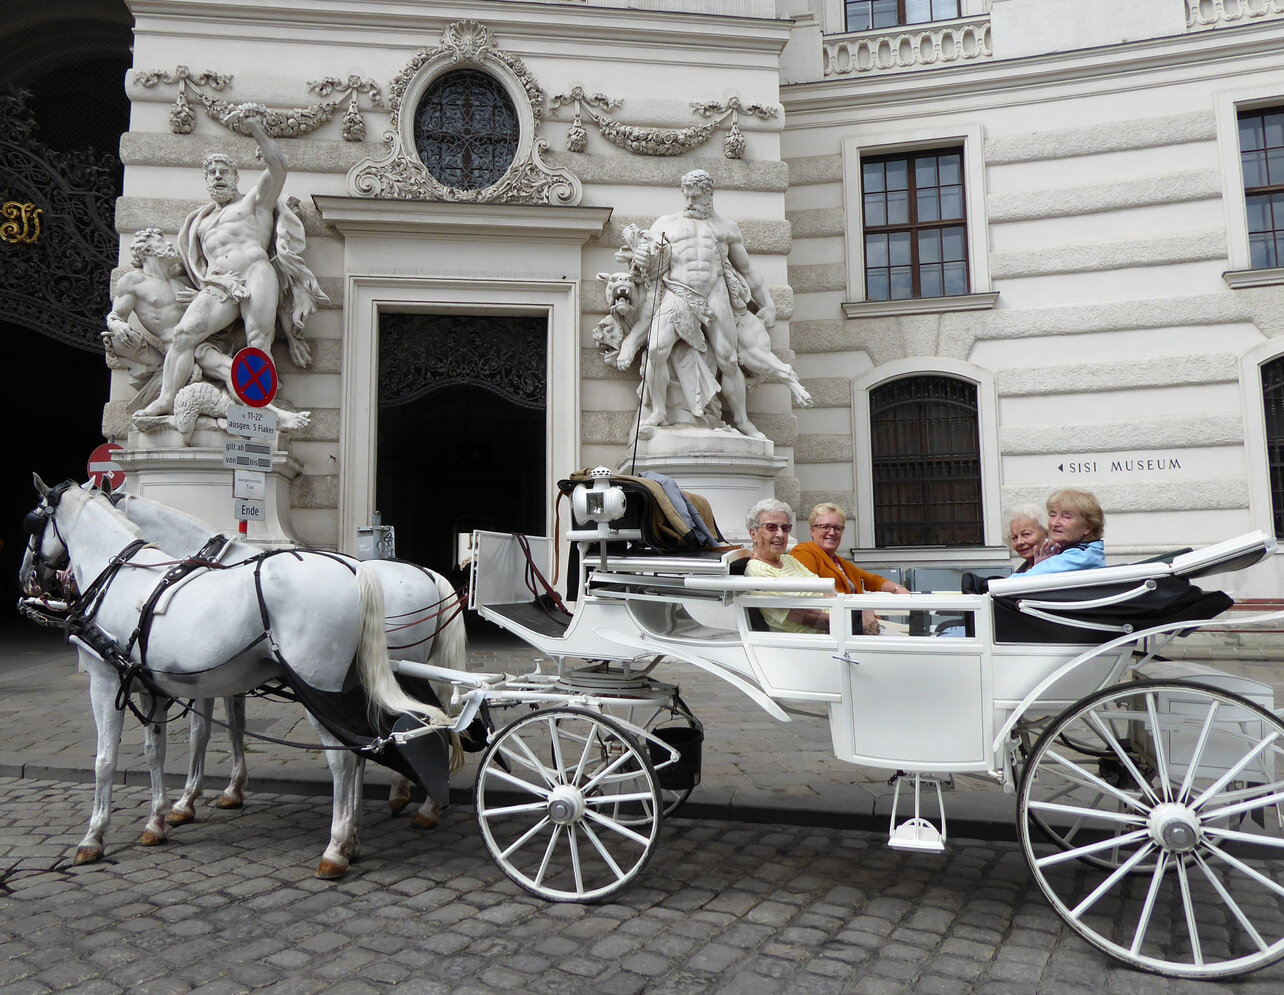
column 466, row 130
column 926, row 463
column 1261, row 153
column 915, row 225
column 1273, row 405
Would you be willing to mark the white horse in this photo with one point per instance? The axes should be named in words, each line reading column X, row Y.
column 298, row 615
column 421, row 622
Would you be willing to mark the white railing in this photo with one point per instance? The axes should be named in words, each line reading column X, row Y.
column 1202, row 14
column 910, row 46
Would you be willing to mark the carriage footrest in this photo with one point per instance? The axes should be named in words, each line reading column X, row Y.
column 917, row 833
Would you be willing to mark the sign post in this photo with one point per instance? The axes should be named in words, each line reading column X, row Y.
column 254, row 380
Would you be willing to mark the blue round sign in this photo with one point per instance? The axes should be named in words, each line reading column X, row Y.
column 254, row 377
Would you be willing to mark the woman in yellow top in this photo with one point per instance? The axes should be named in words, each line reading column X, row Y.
column 820, row 555
column 770, row 522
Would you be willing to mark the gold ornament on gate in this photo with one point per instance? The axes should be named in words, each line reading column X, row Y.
column 22, row 222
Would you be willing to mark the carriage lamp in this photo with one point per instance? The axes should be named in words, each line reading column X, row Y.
column 603, row 502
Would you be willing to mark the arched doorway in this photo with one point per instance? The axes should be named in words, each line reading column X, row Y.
column 62, row 110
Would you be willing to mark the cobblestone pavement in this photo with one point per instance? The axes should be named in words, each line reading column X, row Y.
column 229, row 905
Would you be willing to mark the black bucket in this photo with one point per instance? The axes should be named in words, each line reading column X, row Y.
column 689, row 742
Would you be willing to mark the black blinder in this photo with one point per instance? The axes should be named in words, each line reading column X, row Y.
column 34, row 522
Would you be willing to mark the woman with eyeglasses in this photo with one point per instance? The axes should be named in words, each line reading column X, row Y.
column 770, row 522
column 820, row 555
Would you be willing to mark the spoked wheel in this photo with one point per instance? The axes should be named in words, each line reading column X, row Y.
column 650, row 715
column 549, row 789
column 1167, row 853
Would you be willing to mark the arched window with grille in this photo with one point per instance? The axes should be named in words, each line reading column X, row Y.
column 1273, row 408
column 925, row 462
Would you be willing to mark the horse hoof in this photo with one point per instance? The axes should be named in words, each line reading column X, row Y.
column 224, row 802
column 151, row 838
column 88, row 854
column 179, row 818
column 396, row 805
column 329, row 870
column 421, row 821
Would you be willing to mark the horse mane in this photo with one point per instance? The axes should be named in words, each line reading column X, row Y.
column 94, row 498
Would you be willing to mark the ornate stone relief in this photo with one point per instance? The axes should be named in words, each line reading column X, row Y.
column 642, row 140
column 401, row 174
column 919, row 47
column 1218, row 13
column 279, row 123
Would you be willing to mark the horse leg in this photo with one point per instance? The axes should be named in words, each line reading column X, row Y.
column 428, row 815
column 233, row 795
column 343, row 770
column 184, row 809
column 109, row 722
column 155, row 740
column 398, row 794
column 358, row 810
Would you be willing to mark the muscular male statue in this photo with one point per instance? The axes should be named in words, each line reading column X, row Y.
column 687, row 252
column 156, row 295
column 241, row 255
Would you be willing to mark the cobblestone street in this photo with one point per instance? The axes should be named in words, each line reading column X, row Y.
column 229, row 904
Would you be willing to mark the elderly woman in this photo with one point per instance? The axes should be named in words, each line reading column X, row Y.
column 1075, row 526
column 1027, row 528
column 770, row 522
column 820, row 555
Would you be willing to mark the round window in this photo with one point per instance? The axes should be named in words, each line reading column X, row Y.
column 466, row 129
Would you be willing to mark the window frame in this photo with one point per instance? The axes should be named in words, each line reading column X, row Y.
column 987, row 431
column 1229, row 105
column 1261, row 508
column 871, row 143
column 915, row 226
column 901, row 14
column 1265, row 189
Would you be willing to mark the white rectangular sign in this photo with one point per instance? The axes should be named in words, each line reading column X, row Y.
column 248, row 511
column 250, row 422
column 249, row 484
column 239, row 455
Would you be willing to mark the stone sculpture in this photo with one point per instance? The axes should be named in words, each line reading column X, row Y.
column 692, row 305
column 155, row 294
column 240, row 254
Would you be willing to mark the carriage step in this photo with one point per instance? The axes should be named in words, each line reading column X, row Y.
column 917, row 833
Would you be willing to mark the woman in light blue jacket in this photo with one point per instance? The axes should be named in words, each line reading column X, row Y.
column 1075, row 527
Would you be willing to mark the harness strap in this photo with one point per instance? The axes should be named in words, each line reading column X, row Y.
column 550, row 596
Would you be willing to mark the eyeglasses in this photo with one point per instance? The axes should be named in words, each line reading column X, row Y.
column 774, row 527
column 830, row 528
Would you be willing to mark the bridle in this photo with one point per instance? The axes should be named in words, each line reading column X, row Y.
column 45, row 572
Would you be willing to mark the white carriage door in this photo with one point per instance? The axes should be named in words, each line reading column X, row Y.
column 912, row 702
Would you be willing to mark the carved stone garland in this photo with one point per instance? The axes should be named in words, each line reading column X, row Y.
column 658, row 141
column 278, row 123
column 400, row 174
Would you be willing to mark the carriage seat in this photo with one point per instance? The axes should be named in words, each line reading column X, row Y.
column 756, row 620
column 1026, row 608
column 649, row 511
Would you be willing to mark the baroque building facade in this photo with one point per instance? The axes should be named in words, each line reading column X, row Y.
column 1013, row 245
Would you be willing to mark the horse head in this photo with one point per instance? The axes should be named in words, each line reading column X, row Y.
column 44, row 564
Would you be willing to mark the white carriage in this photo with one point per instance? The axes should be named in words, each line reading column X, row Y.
column 1147, row 799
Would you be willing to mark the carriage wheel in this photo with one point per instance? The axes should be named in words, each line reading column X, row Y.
column 649, row 715
column 1168, row 852
column 547, row 790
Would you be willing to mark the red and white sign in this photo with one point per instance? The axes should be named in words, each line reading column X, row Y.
column 254, row 377
column 103, row 466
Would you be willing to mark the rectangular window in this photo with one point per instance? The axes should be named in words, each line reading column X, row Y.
column 914, row 226
column 862, row 15
column 1261, row 153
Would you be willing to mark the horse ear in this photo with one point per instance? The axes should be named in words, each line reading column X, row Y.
column 41, row 487
column 104, row 484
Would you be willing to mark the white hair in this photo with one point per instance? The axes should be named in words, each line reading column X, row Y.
column 763, row 507
column 1023, row 513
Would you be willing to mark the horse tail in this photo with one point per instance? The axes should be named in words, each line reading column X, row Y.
column 450, row 648
column 375, row 666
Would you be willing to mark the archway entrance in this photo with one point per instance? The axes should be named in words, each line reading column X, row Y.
column 462, row 431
